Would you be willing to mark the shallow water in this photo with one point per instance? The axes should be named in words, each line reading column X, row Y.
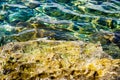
column 86, row 20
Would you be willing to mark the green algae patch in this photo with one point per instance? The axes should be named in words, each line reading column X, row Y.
column 58, row 60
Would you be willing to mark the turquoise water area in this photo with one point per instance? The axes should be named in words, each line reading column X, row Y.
column 87, row 20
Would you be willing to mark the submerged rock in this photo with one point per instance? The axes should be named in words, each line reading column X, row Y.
column 110, row 42
column 41, row 33
column 49, row 59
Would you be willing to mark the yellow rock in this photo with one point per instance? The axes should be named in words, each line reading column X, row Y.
column 58, row 60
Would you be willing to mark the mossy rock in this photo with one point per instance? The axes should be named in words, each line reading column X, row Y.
column 50, row 59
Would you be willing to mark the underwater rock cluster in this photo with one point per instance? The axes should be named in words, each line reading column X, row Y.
column 58, row 60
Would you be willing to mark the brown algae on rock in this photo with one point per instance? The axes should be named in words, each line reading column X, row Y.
column 58, row 60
